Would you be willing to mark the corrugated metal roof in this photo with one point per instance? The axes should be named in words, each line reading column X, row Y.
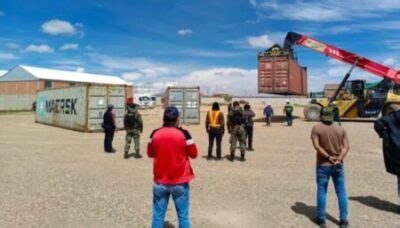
column 73, row 76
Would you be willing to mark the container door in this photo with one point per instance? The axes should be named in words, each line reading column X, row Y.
column 97, row 107
column 191, row 106
column 176, row 98
column 116, row 97
column 280, row 78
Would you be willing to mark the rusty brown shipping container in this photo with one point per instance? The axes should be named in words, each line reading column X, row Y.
column 279, row 73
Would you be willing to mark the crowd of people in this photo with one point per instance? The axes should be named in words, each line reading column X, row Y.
column 171, row 148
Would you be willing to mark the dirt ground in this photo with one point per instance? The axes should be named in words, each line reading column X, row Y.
column 51, row 177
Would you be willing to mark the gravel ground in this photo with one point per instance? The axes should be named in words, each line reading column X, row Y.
column 51, row 177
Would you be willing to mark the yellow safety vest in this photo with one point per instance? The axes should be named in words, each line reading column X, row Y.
column 213, row 119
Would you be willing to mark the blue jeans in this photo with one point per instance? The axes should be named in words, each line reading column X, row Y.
column 323, row 175
column 180, row 194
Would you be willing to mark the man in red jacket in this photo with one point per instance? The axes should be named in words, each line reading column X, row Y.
column 170, row 147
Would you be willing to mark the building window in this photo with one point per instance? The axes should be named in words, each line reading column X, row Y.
column 48, row 84
column 72, row 84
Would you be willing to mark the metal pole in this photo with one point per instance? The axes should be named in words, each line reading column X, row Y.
column 341, row 85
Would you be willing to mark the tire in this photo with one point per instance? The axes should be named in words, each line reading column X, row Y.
column 312, row 112
column 391, row 108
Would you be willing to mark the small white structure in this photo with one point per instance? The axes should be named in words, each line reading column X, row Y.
column 145, row 100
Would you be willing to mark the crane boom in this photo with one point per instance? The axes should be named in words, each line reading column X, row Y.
column 342, row 55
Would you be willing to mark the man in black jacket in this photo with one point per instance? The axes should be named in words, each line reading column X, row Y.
column 109, row 129
column 388, row 128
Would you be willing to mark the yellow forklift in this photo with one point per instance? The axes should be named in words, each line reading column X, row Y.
column 355, row 99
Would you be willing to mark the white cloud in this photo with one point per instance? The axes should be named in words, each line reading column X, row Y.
column 392, row 62
column 155, row 76
column 328, row 10
column 389, row 61
column 131, row 76
column 58, row 27
column 13, row 45
column 80, row 69
column 7, row 56
column 42, row 48
column 67, row 47
column 260, row 41
column 185, row 32
column 223, row 80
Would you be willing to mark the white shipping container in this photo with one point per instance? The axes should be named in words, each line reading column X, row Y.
column 80, row 108
column 187, row 100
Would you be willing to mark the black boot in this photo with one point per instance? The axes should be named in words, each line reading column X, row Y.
column 232, row 157
column 242, row 158
column 138, row 155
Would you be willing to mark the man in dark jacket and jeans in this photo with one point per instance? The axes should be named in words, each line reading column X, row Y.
column 388, row 128
column 171, row 147
column 109, row 129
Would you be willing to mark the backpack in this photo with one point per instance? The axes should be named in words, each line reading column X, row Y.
column 237, row 117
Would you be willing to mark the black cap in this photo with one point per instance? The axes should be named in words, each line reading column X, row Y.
column 171, row 114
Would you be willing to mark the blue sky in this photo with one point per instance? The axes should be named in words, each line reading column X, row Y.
column 213, row 44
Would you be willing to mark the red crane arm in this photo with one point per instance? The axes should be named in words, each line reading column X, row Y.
column 342, row 55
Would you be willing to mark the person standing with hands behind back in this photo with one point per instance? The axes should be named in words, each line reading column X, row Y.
column 331, row 143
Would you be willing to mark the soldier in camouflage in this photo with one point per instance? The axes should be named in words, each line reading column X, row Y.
column 236, row 127
column 134, row 126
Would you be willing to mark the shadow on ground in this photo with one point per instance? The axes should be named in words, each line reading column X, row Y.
column 310, row 212
column 377, row 203
column 275, row 119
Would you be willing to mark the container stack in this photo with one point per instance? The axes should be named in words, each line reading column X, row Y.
column 279, row 73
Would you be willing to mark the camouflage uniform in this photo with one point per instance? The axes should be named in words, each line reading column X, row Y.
column 133, row 129
column 237, row 131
